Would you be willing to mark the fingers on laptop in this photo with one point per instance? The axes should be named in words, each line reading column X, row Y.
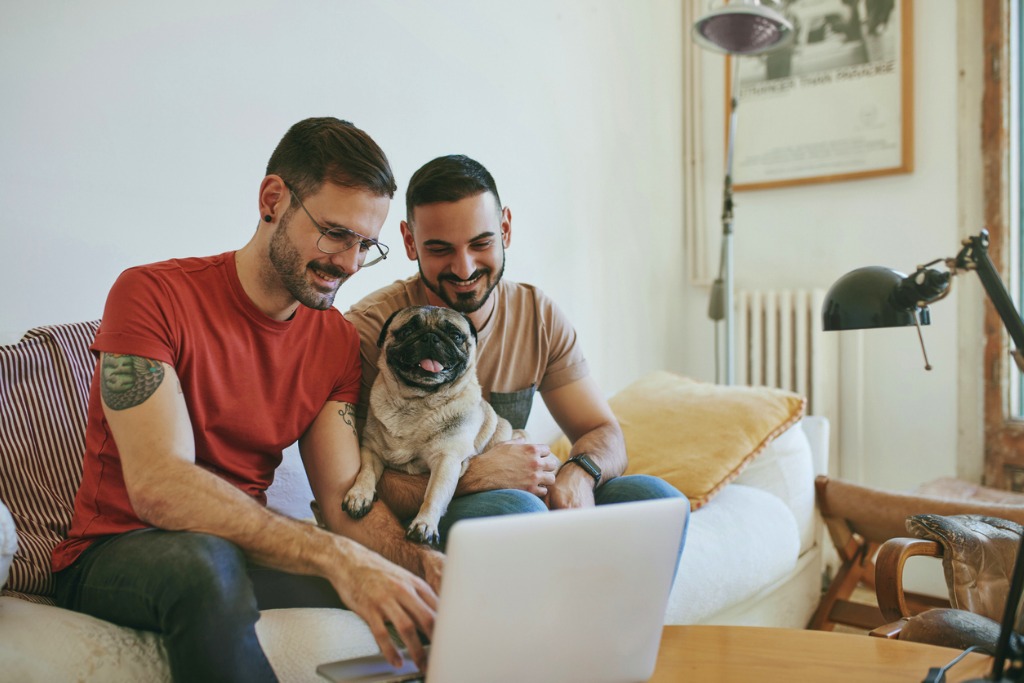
column 399, row 630
column 408, row 607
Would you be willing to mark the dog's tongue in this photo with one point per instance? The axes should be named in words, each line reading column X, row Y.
column 431, row 365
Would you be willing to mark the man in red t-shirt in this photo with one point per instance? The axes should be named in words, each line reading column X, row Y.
column 210, row 367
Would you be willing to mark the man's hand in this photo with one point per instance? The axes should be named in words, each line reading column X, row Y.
column 511, row 465
column 383, row 593
column 573, row 488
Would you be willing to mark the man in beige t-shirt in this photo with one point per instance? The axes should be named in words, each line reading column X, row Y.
column 457, row 231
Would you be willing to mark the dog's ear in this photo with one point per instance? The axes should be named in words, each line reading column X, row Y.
column 384, row 330
column 472, row 327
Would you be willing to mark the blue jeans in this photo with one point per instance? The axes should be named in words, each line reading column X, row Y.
column 196, row 590
column 625, row 489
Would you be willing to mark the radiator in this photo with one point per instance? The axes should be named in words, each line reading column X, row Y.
column 780, row 344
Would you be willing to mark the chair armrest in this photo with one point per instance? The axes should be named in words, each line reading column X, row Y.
column 892, row 556
column 890, row 631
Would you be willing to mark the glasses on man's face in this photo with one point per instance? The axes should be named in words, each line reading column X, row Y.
column 337, row 240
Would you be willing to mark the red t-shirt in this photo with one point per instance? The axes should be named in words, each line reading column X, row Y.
column 252, row 385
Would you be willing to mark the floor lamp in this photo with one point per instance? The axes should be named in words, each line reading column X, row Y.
column 742, row 27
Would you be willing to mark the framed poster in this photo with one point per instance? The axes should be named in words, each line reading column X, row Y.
column 835, row 104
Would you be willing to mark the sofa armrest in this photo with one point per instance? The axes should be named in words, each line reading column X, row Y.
column 889, row 563
column 818, row 431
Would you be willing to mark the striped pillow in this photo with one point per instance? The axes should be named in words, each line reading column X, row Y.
column 44, row 391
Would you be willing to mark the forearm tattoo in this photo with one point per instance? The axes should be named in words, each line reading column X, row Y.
column 348, row 414
column 127, row 381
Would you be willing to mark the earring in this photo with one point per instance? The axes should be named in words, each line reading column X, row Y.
column 268, row 218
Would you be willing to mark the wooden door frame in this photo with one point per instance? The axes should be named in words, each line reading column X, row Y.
column 1003, row 434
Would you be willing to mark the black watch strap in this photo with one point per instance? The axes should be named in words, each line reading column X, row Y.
column 589, row 466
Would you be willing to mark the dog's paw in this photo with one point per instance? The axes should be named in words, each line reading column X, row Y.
column 357, row 503
column 423, row 532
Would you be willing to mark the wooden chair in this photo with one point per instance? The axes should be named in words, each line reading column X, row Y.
column 860, row 519
column 889, row 565
column 978, row 561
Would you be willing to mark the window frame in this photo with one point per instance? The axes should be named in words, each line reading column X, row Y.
column 1003, row 430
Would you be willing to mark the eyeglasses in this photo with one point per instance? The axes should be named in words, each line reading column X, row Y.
column 337, row 240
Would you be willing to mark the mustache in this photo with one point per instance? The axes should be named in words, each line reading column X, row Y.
column 329, row 271
column 474, row 275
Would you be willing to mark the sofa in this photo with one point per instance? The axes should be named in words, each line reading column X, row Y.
column 745, row 457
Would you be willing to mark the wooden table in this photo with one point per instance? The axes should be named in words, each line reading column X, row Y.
column 724, row 654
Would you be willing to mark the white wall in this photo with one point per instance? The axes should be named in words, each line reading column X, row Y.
column 132, row 132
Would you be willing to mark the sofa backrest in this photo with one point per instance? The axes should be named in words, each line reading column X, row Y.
column 44, row 392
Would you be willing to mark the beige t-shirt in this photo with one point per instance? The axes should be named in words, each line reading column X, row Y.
column 527, row 344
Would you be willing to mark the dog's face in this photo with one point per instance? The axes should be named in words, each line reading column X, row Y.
column 428, row 347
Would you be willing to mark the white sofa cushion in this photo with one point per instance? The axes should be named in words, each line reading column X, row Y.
column 739, row 529
column 786, row 469
column 45, row 643
column 297, row 640
column 41, row 643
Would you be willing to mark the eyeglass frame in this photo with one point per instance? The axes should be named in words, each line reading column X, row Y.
column 360, row 239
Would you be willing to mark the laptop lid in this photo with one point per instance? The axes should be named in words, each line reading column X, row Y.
column 574, row 595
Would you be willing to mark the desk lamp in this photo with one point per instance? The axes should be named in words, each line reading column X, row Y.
column 879, row 297
column 742, row 27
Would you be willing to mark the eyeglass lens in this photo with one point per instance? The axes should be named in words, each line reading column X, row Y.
column 337, row 241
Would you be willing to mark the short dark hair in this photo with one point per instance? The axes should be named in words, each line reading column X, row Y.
column 317, row 150
column 448, row 179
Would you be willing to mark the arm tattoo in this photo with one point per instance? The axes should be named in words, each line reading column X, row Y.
column 348, row 414
column 127, row 381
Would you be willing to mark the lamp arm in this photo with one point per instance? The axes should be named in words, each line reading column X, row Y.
column 975, row 256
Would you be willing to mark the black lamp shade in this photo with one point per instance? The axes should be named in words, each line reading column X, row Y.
column 866, row 298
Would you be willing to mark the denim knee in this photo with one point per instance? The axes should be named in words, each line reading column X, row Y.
column 634, row 487
column 211, row 572
column 192, row 588
column 209, row 623
column 489, row 504
column 497, row 502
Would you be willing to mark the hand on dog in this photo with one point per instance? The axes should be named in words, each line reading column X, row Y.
column 513, row 465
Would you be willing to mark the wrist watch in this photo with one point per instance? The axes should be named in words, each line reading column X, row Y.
column 588, row 465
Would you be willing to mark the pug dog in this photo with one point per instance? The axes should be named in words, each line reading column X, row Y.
column 426, row 413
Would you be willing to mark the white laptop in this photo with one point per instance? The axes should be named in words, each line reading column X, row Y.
column 575, row 595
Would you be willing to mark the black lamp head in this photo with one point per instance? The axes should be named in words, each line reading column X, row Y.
column 872, row 297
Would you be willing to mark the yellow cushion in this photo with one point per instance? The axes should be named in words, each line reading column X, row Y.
column 695, row 435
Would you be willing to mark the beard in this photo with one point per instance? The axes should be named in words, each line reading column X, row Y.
column 465, row 302
column 291, row 271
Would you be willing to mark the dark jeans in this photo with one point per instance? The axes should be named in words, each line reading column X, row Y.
column 196, row 590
